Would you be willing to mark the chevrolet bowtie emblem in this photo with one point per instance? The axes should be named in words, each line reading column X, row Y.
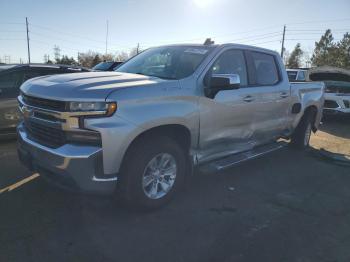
column 27, row 112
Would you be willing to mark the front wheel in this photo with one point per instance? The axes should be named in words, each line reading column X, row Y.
column 302, row 134
column 154, row 171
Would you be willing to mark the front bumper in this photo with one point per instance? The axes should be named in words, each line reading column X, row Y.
column 336, row 104
column 75, row 167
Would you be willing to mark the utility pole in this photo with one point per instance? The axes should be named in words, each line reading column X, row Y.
column 284, row 34
column 28, row 41
column 106, row 37
column 138, row 48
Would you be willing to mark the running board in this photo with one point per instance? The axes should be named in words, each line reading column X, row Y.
column 227, row 162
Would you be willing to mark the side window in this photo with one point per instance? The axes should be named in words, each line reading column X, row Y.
column 9, row 83
column 266, row 72
column 231, row 62
column 301, row 76
column 30, row 74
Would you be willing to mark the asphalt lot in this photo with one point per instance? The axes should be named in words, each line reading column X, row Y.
column 286, row 206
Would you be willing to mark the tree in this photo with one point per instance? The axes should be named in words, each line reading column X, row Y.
column 286, row 55
column 344, row 51
column 324, row 50
column 327, row 52
column 89, row 59
column 294, row 60
column 47, row 59
column 121, row 56
column 65, row 60
column 97, row 59
column 135, row 51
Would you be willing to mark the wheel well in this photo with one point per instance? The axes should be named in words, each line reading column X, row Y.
column 178, row 133
column 313, row 111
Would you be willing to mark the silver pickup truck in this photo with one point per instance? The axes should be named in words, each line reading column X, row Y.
column 141, row 130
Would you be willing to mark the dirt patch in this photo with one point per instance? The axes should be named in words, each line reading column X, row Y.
column 333, row 136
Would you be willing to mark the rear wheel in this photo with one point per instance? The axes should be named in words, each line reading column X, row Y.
column 302, row 134
column 153, row 172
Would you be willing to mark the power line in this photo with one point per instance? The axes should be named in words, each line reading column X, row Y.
column 48, row 44
column 320, row 21
column 64, row 40
column 306, row 39
column 318, row 30
column 12, row 31
column 10, row 23
column 65, row 33
column 12, row 39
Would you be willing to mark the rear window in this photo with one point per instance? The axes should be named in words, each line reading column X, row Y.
column 103, row 66
column 266, row 72
column 292, row 75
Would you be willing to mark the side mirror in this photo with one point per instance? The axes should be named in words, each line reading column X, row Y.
column 218, row 82
column 225, row 81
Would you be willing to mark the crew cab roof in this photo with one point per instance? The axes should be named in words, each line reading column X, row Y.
column 233, row 45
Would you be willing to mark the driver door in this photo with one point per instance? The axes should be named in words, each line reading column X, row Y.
column 226, row 119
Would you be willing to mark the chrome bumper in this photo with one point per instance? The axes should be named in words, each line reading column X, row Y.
column 70, row 166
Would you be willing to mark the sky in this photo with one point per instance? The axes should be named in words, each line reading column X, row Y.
column 79, row 26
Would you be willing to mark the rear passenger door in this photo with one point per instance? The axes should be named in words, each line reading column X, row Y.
column 270, row 96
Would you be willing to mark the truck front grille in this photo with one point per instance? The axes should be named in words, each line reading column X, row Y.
column 44, row 103
column 330, row 104
column 44, row 135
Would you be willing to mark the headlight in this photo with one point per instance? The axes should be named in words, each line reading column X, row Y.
column 98, row 108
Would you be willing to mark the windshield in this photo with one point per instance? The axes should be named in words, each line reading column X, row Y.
column 174, row 62
column 103, row 66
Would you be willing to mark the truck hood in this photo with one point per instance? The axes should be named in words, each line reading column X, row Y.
column 91, row 86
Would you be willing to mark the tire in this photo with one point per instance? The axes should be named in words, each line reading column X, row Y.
column 144, row 160
column 301, row 136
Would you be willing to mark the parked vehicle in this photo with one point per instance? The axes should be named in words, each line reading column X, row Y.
column 11, row 78
column 142, row 129
column 297, row 75
column 106, row 66
column 337, row 93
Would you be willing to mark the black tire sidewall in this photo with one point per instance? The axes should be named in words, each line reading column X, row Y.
column 136, row 162
column 298, row 138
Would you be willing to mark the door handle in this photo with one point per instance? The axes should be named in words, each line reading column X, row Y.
column 248, row 98
column 284, row 95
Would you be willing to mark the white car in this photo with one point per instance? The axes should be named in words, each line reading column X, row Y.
column 296, row 75
column 337, row 93
column 337, row 98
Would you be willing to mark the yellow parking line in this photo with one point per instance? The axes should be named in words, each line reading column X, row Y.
column 19, row 183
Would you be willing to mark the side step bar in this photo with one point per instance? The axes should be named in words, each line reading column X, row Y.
column 227, row 162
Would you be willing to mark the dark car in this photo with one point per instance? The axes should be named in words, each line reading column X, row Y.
column 11, row 78
column 106, row 66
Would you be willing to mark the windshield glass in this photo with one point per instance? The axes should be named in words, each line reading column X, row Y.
column 103, row 66
column 173, row 62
